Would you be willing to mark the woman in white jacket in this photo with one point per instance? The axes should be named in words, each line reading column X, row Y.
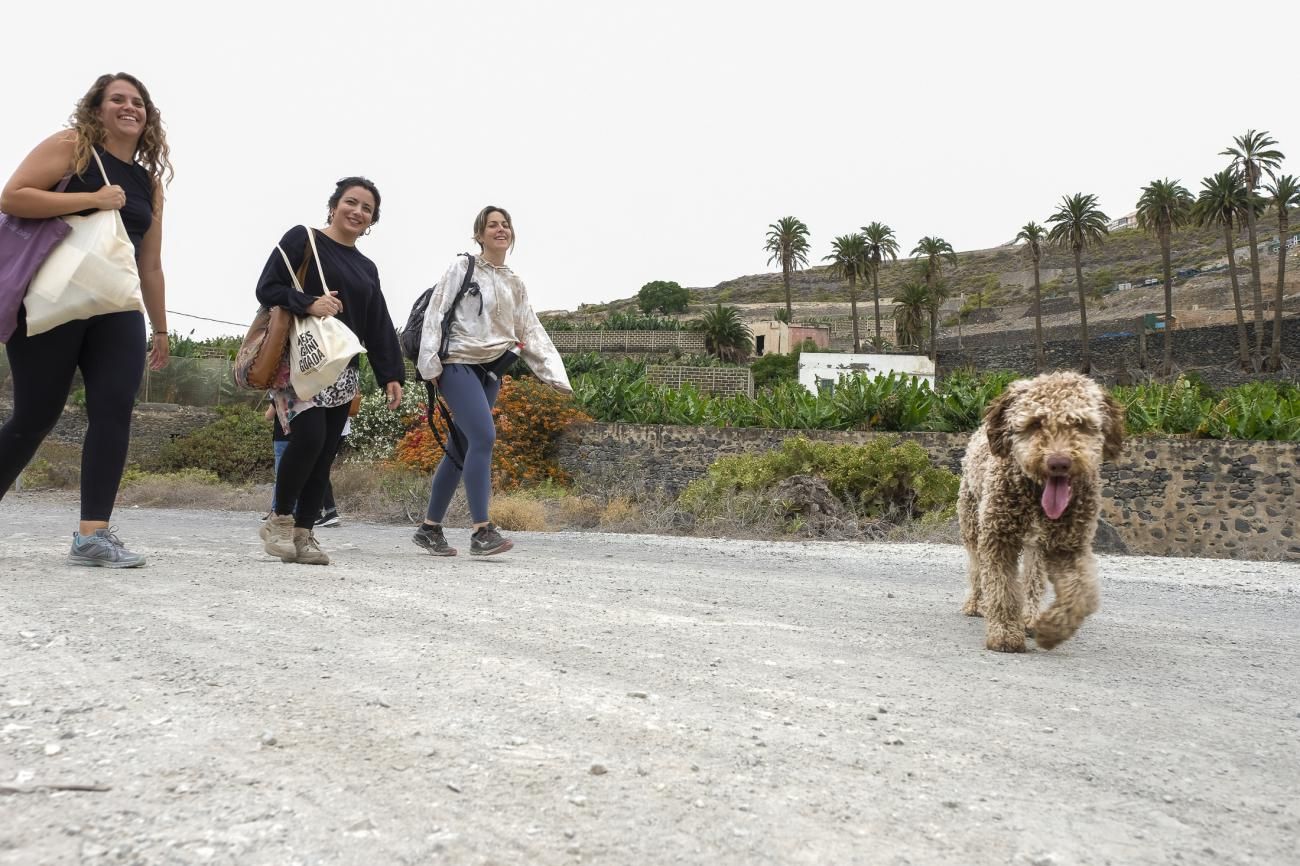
column 492, row 318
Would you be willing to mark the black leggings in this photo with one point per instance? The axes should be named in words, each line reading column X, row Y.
column 110, row 352
column 305, row 467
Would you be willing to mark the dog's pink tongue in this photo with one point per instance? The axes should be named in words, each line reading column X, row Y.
column 1056, row 496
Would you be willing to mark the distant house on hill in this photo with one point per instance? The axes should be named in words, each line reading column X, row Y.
column 772, row 337
column 1127, row 221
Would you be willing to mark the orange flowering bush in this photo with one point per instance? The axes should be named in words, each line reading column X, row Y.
column 529, row 418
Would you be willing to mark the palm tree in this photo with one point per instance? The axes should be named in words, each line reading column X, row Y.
column 911, row 308
column 1224, row 201
column 1251, row 157
column 935, row 251
column 881, row 245
column 725, row 335
column 1165, row 205
column 1033, row 235
column 1079, row 225
column 787, row 241
column 1284, row 194
column 848, row 260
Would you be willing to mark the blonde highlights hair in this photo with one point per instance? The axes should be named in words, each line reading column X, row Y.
column 480, row 223
column 151, row 150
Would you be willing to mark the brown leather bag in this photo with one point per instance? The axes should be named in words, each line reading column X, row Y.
column 262, row 359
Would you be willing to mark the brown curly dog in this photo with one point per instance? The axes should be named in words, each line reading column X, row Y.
column 1031, row 483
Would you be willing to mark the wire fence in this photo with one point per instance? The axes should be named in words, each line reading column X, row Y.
column 184, row 381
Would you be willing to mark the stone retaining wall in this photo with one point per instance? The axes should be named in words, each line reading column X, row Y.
column 1175, row 497
column 1210, row 351
column 152, row 426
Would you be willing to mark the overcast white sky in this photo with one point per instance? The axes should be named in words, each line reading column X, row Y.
column 635, row 141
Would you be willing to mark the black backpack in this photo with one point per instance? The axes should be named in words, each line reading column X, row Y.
column 409, row 337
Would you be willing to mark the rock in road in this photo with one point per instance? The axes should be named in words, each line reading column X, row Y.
column 598, row 698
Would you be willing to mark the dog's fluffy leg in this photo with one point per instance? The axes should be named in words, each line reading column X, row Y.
column 1034, row 574
column 1003, row 595
column 972, row 604
column 1074, row 579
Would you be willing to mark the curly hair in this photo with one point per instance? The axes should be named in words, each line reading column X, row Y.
column 151, row 150
column 480, row 223
column 346, row 184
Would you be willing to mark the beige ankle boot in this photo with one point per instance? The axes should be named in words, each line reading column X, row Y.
column 277, row 535
column 306, row 550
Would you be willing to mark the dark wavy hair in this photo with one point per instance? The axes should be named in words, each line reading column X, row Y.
column 480, row 223
column 151, row 150
column 346, row 184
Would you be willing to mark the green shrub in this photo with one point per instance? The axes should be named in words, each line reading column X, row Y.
column 964, row 397
column 881, row 479
column 376, row 429
column 1256, row 410
column 771, row 369
column 237, row 447
column 1173, row 408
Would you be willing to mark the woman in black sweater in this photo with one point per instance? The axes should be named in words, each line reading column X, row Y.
column 315, row 425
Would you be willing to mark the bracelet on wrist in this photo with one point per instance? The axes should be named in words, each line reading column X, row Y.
column 163, row 333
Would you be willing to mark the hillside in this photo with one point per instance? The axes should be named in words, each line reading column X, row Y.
column 1002, row 278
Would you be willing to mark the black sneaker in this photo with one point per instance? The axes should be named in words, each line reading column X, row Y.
column 432, row 540
column 329, row 518
column 487, row 541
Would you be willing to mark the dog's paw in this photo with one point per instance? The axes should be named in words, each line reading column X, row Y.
column 1048, row 632
column 1005, row 639
column 971, row 608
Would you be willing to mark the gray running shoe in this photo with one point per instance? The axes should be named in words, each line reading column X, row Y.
column 432, row 540
column 487, row 541
column 102, row 548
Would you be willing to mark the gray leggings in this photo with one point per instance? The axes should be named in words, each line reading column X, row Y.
column 470, row 401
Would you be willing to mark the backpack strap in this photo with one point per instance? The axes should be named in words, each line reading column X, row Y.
column 467, row 285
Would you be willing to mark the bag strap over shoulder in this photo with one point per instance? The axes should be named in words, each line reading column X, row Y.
column 311, row 239
column 465, row 285
column 300, row 275
column 99, row 162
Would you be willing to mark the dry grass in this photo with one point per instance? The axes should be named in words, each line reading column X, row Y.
column 519, row 513
column 580, row 511
column 56, row 466
column 191, row 489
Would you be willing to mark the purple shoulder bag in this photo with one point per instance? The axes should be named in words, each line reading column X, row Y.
column 24, row 246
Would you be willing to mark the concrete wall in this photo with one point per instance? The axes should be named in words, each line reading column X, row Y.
column 1163, row 497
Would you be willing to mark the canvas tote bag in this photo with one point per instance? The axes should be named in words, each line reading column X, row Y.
column 320, row 347
column 91, row 272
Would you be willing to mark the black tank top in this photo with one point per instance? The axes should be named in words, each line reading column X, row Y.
column 137, row 214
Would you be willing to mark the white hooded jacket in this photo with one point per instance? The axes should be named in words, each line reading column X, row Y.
column 487, row 323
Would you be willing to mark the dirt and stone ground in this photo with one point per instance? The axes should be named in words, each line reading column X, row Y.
column 617, row 699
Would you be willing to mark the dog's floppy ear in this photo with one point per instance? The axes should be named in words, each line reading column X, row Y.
column 1112, row 428
column 995, row 421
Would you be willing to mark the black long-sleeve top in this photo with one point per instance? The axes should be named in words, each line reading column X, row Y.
column 356, row 280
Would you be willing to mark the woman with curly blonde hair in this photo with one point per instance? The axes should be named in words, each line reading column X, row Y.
column 118, row 121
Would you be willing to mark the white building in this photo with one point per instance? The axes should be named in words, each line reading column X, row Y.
column 820, row 371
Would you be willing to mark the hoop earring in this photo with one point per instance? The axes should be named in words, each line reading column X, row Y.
column 367, row 231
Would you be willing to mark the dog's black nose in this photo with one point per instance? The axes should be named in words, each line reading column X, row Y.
column 1058, row 464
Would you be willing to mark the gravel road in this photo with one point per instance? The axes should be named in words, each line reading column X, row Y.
column 596, row 698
